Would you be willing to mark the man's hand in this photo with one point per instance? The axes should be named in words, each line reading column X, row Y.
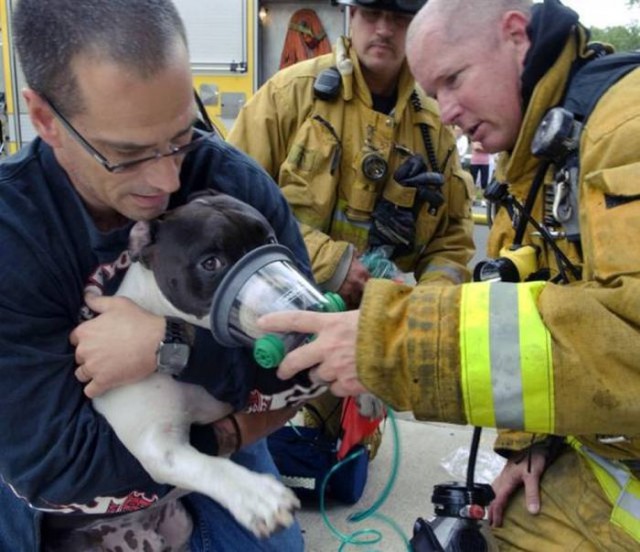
column 116, row 347
column 512, row 476
column 332, row 352
column 353, row 286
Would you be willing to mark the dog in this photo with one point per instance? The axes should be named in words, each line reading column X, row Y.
column 174, row 273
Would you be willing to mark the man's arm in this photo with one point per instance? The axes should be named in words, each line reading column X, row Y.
column 108, row 362
column 424, row 349
column 57, row 451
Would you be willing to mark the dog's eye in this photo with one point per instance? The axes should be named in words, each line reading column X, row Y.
column 211, row 264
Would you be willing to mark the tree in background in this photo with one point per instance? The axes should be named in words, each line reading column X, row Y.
column 622, row 37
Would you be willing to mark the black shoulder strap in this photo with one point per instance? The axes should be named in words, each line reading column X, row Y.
column 593, row 79
column 589, row 81
column 426, row 137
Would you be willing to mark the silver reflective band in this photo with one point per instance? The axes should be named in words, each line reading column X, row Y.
column 506, row 374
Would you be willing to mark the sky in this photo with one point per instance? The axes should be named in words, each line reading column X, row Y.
column 604, row 13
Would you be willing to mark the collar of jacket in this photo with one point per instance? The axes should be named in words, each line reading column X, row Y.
column 354, row 84
column 550, row 24
column 513, row 167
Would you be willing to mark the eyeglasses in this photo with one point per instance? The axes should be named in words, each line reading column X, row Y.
column 198, row 137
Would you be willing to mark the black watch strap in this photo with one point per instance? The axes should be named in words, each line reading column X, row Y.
column 173, row 351
column 178, row 331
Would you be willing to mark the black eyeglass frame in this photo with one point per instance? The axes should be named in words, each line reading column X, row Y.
column 116, row 168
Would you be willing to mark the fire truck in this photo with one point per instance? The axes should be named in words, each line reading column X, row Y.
column 235, row 45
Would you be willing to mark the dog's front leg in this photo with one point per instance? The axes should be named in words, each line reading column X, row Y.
column 152, row 418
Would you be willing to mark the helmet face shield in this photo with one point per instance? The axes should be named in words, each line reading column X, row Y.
column 403, row 6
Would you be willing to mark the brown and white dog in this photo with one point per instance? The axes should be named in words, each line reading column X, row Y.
column 179, row 260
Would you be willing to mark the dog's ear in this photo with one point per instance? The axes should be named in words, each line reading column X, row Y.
column 141, row 238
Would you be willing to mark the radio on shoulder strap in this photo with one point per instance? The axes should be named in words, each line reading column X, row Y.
column 326, row 87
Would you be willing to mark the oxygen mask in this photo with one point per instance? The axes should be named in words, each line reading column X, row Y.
column 265, row 280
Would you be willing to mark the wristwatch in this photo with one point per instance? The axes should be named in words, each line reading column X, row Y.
column 173, row 351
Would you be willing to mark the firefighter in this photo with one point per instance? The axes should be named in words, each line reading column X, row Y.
column 360, row 155
column 557, row 355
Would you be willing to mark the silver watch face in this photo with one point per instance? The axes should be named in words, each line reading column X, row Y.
column 172, row 357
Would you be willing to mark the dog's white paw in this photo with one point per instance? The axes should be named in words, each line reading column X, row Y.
column 262, row 504
column 369, row 406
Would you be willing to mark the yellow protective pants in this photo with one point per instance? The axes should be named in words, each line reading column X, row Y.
column 574, row 515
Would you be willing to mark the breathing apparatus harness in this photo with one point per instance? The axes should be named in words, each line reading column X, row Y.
column 557, row 143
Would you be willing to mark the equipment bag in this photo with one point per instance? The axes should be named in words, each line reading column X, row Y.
column 305, row 456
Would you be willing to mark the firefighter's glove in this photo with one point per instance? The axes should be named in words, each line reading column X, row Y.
column 391, row 225
column 394, row 225
column 413, row 173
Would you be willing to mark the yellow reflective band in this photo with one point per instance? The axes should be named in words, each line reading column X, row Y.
column 622, row 517
column 506, row 361
column 475, row 355
column 536, row 362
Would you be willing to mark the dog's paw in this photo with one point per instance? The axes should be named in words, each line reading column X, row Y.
column 369, row 406
column 262, row 504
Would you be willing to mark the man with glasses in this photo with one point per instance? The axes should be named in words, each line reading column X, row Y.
column 336, row 129
column 109, row 92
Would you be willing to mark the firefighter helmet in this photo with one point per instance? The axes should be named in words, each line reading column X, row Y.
column 403, row 6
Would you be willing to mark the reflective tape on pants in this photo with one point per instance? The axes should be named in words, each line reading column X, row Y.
column 621, row 488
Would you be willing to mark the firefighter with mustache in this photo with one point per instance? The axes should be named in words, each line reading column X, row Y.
column 359, row 152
